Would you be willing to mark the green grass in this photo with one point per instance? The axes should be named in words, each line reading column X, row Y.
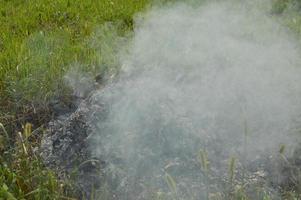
column 41, row 39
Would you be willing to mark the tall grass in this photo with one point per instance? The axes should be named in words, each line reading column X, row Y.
column 22, row 174
column 40, row 39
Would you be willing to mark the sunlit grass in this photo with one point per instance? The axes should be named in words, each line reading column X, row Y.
column 39, row 40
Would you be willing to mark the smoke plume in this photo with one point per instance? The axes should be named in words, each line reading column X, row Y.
column 223, row 77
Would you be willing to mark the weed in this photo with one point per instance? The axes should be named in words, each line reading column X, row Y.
column 203, row 159
column 232, row 170
column 172, row 185
column 23, row 176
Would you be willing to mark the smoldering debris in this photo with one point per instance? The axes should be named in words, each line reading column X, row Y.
column 199, row 86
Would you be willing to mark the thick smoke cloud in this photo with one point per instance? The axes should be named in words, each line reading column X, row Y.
column 222, row 77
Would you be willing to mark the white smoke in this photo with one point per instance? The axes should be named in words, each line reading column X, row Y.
column 221, row 76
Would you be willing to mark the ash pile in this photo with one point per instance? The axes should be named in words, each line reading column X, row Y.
column 67, row 148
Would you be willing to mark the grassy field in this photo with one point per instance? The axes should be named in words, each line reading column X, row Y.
column 39, row 41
